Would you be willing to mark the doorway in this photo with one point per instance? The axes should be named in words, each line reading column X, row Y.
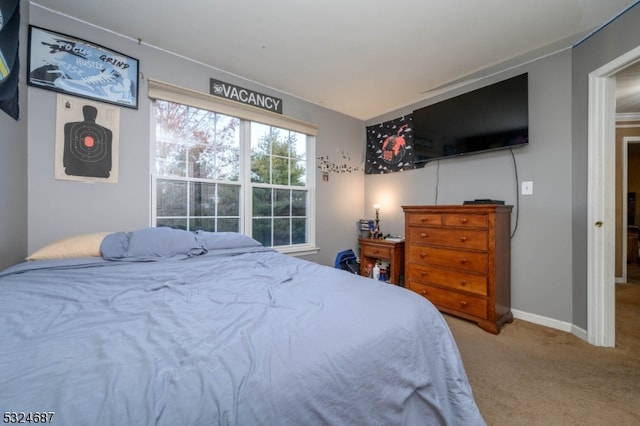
column 601, row 201
column 629, row 259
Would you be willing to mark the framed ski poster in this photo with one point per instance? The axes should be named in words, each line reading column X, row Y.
column 77, row 67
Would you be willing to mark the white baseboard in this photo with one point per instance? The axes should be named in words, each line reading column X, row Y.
column 551, row 323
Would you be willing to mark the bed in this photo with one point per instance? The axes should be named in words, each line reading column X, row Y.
column 169, row 327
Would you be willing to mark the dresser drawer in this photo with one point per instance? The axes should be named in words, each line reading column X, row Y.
column 425, row 219
column 472, row 283
column 463, row 238
column 376, row 252
column 471, row 220
column 476, row 306
column 466, row 260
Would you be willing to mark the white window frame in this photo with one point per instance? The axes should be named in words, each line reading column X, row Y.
column 172, row 93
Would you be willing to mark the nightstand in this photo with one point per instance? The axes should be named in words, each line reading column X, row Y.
column 372, row 250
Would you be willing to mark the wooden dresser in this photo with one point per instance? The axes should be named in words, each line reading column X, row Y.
column 459, row 257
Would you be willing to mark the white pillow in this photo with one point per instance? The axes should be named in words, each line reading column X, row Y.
column 85, row 245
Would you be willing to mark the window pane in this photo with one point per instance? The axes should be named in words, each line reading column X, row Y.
column 260, row 139
column 281, row 203
column 298, row 231
column 171, row 159
column 298, row 145
column 279, row 142
column 216, row 151
column 261, row 231
column 228, row 225
column 211, row 141
column 227, row 148
column 261, row 202
column 201, row 161
column 298, row 173
column 202, row 223
column 281, row 232
column 260, row 168
column 260, row 153
column 298, row 203
column 280, row 171
column 202, row 199
column 228, row 200
column 171, row 149
column 172, row 223
column 171, row 198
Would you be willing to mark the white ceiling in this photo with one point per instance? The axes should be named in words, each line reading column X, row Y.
column 359, row 57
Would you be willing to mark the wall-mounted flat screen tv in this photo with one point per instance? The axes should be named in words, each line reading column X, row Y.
column 487, row 119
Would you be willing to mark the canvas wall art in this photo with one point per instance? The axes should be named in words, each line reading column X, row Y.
column 390, row 146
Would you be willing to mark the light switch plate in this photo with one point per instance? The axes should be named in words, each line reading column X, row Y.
column 527, row 188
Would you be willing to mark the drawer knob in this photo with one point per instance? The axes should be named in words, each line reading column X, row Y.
column 463, row 303
column 423, row 255
column 463, row 239
column 463, row 283
column 463, row 260
column 423, row 292
column 423, row 274
column 464, row 220
column 422, row 235
column 423, row 219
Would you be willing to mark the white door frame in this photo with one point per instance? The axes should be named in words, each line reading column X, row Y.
column 601, row 201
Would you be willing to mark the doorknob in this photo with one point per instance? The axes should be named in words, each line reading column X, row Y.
column 598, row 224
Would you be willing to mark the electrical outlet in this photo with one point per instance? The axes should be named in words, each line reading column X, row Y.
column 527, row 188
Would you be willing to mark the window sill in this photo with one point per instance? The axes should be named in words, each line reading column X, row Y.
column 298, row 251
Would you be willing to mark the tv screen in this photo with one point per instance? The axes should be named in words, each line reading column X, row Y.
column 490, row 118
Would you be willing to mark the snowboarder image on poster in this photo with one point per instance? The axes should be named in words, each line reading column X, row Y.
column 87, row 146
column 108, row 84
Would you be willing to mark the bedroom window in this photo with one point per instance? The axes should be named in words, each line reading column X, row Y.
column 216, row 170
column 197, row 163
column 278, row 186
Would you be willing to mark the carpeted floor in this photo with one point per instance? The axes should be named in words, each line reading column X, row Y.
column 534, row 375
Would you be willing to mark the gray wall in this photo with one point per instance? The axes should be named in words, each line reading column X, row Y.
column 13, row 167
column 614, row 40
column 59, row 208
column 541, row 246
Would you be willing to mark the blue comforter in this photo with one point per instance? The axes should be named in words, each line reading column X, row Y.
column 238, row 337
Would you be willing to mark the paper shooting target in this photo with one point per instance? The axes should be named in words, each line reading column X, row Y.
column 86, row 140
column 87, row 146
